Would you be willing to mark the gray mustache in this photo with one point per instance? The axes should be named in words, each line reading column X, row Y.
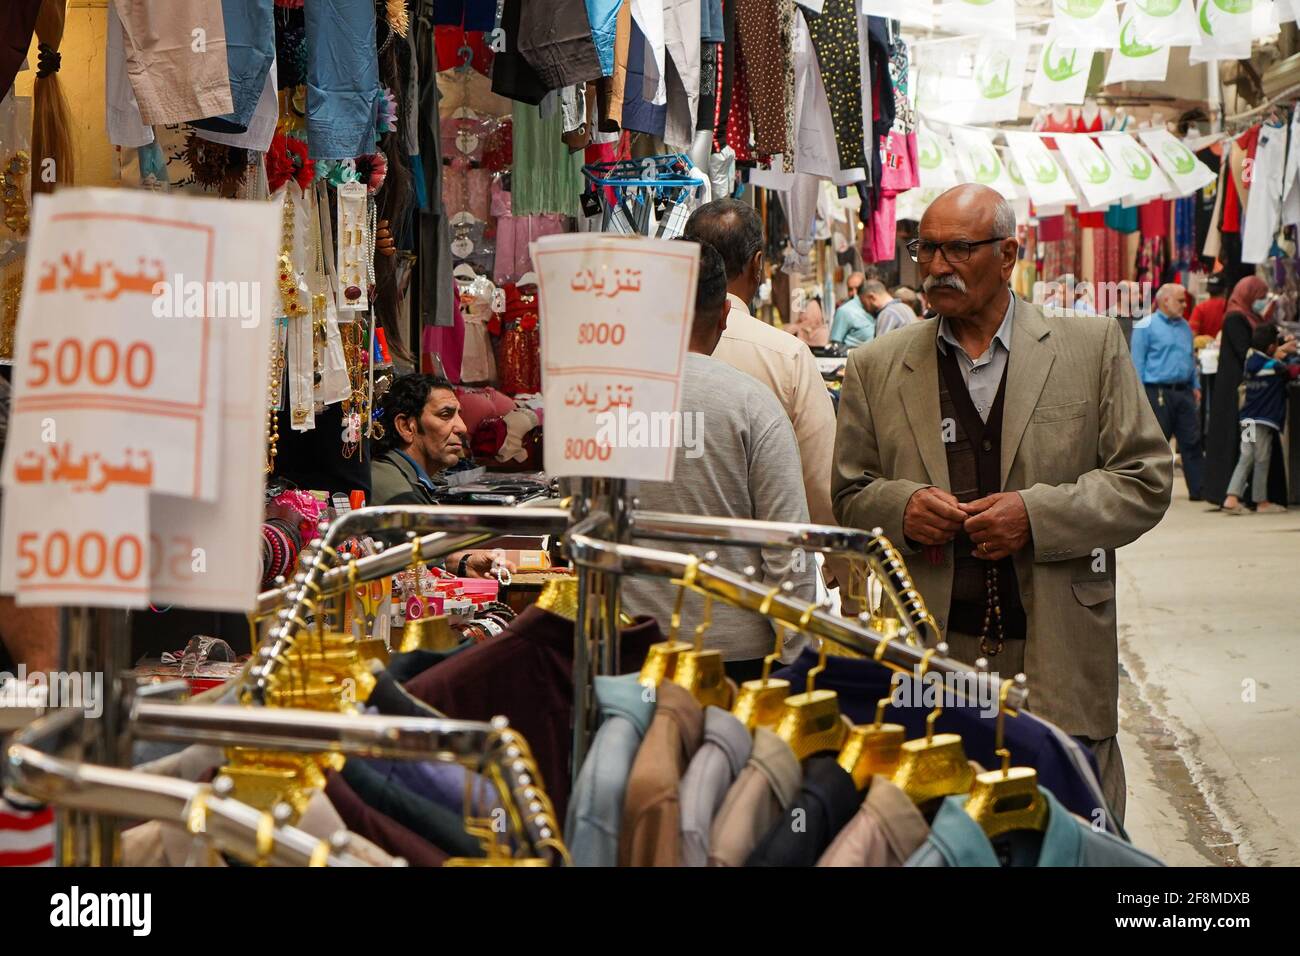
column 950, row 281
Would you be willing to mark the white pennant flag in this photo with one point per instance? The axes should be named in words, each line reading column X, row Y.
column 1134, row 58
column 1045, row 180
column 935, row 156
column 1226, row 27
column 912, row 13
column 981, row 162
column 1267, row 21
column 1287, row 11
column 1093, row 172
column 1181, row 165
column 988, row 17
column 999, row 80
column 1092, row 24
column 1062, row 75
column 1143, row 179
column 1166, row 22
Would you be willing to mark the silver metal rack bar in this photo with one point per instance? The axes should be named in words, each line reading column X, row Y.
column 362, row 735
column 872, row 546
column 737, row 590
column 319, row 556
column 32, row 768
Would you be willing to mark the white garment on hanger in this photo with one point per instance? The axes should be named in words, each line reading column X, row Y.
column 122, row 112
column 1291, row 179
column 649, row 17
column 1264, row 206
column 261, row 127
column 682, row 43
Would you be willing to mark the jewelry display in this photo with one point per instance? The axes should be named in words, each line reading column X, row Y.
column 273, row 391
column 356, row 236
column 11, row 293
column 12, row 195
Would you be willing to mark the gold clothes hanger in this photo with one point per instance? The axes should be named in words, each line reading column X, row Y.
column 701, row 672
column 1007, row 799
column 934, row 765
column 875, row 748
column 811, row 721
column 661, row 658
column 759, row 702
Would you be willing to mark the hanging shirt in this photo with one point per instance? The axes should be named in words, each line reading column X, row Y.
column 826, row 802
column 957, row 840
column 756, row 802
column 1163, row 351
column 886, row 830
column 596, row 810
column 853, row 324
column 713, row 769
column 1264, row 205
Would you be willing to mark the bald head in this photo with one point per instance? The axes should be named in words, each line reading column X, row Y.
column 1171, row 299
column 982, row 206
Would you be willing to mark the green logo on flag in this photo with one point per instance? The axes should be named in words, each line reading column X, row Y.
column 993, row 76
column 1235, row 6
column 1206, row 27
column 977, row 3
column 1044, row 167
column 1098, row 170
column 989, row 167
column 1130, row 45
column 1137, row 161
column 1180, row 156
column 1063, row 68
column 1159, row 8
column 1013, row 170
column 1081, row 9
column 931, row 155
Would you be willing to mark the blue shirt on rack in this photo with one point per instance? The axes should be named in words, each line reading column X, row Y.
column 853, row 324
column 1163, row 352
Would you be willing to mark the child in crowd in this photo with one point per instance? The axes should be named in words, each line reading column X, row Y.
column 1270, row 365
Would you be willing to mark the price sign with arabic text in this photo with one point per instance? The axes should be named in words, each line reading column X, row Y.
column 616, row 321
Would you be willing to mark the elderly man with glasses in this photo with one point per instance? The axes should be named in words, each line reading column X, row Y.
column 1011, row 454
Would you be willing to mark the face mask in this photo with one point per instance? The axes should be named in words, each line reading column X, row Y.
column 1259, row 305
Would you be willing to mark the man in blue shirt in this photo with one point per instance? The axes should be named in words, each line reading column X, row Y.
column 855, row 323
column 1165, row 359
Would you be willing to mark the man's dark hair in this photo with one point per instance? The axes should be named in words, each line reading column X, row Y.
column 872, row 287
column 732, row 227
column 710, row 288
column 407, row 396
column 1264, row 337
column 1215, row 285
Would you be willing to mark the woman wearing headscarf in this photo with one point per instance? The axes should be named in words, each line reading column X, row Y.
column 1248, row 306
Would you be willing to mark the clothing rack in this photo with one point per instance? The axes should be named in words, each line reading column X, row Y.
column 33, row 768
column 597, row 531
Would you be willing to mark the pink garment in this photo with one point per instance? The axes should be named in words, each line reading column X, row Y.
column 480, row 404
column 880, row 234
column 514, row 233
column 811, row 325
column 465, row 137
column 478, row 363
column 467, row 189
column 898, row 164
column 448, row 343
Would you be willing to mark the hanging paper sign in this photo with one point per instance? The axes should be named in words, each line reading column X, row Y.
column 140, row 379
column 1226, row 27
column 1045, row 180
column 1143, row 179
column 1187, row 173
column 1062, row 75
column 1287, row 11
column 1135, row 59
column 1090, row 24
column 911, row 13
column 616, row 319
column 981, row 162
column 999, row 80
column 935, row 157
column 913, row 203
column 1165, row 22
column 989, row 17
column 1093, row 172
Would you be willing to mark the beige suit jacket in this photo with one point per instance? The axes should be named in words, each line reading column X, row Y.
column 1081, row 445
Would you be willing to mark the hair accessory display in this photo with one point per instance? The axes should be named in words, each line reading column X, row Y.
column 355, row 237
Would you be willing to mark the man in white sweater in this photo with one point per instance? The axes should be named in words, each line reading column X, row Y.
column 749, row 468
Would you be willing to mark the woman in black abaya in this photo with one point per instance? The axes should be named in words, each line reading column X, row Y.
column 1223, row 443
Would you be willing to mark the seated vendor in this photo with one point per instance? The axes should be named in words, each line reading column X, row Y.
column 424, row 436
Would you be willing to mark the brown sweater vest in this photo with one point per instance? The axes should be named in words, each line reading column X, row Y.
column 974, row 471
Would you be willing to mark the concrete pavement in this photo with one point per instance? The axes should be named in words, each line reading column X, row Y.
column 1209, row 620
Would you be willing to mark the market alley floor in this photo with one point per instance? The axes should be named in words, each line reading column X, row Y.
column 1210, row 687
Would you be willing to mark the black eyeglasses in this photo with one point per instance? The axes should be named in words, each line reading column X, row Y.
column 958, row 250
